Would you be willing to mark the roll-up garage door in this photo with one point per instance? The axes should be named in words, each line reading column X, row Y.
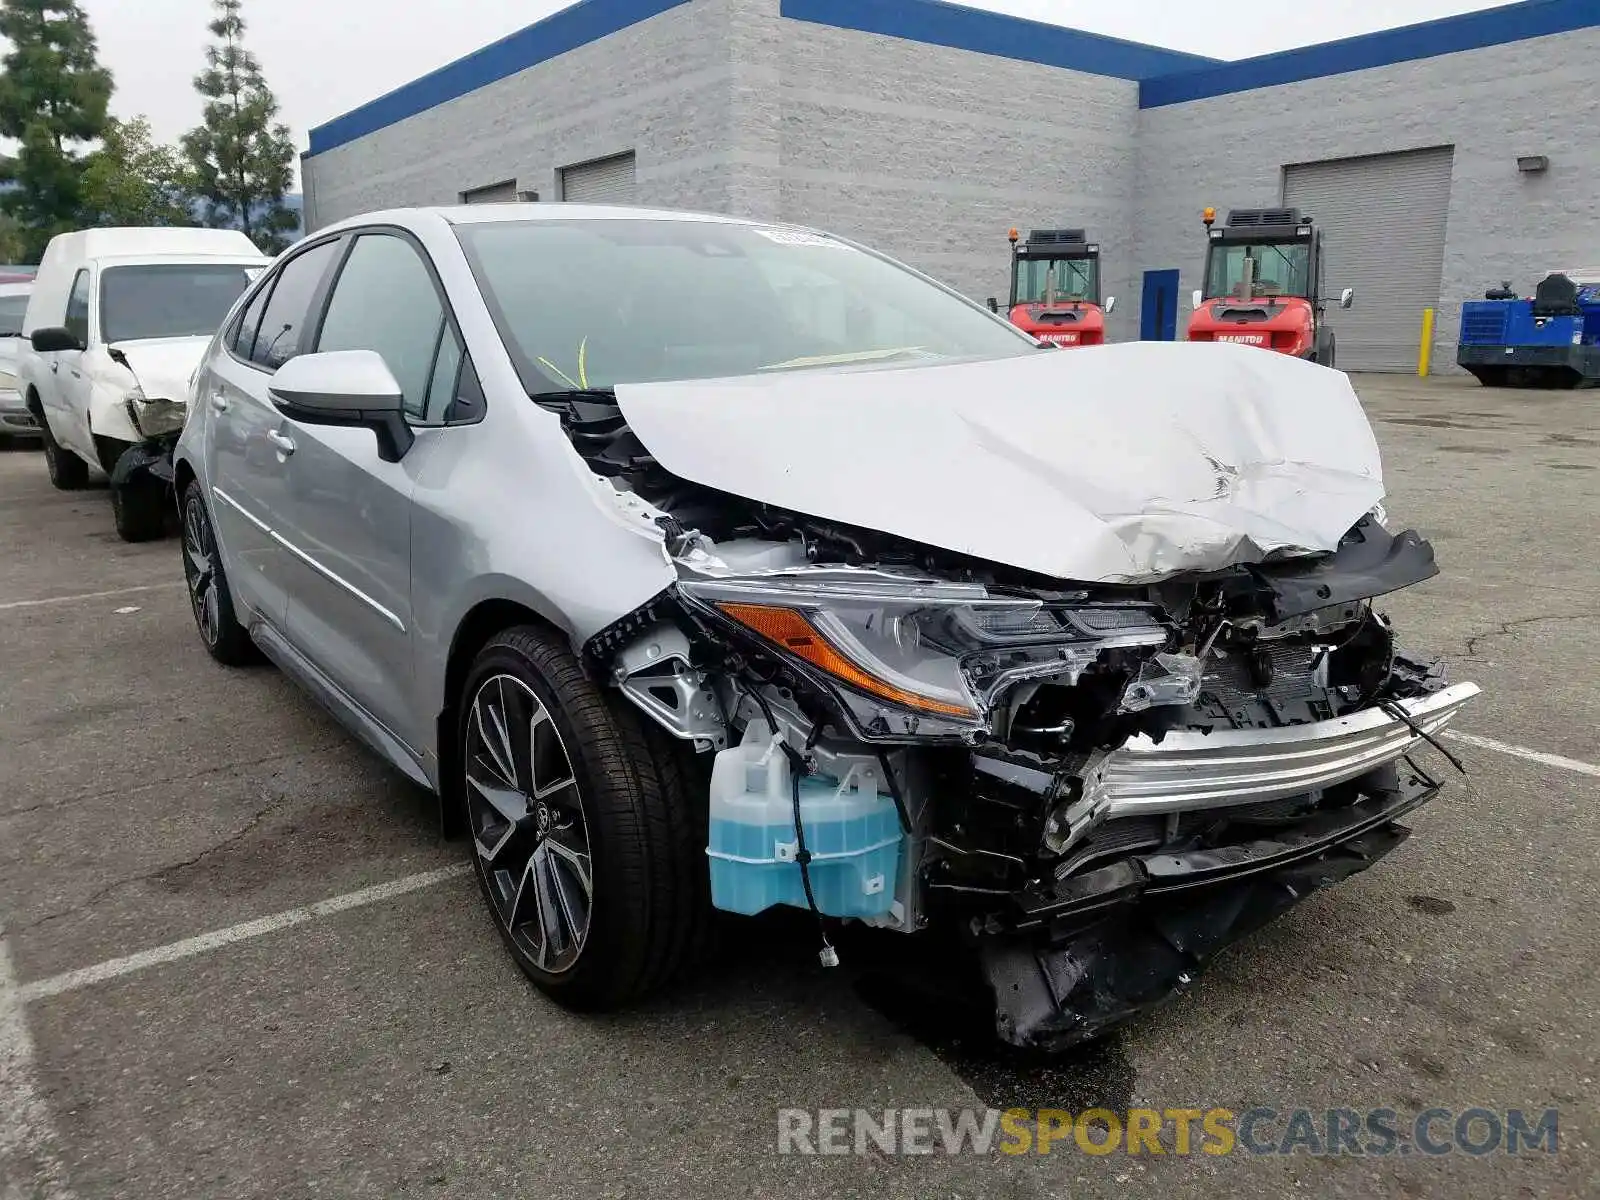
column 1383, row 224
column 604, row 181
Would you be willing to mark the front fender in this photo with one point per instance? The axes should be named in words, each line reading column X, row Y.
column 108, row 410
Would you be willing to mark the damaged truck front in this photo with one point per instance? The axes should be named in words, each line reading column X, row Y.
column 1101, row 708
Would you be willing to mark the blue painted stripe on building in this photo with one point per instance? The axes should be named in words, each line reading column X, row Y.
column 1449, row 35
column 941, row 24
column 585, row 22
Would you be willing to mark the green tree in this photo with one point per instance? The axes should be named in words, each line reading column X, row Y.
column 131, row 180
column 53, row 96
column 13, row 240
column 242, row 157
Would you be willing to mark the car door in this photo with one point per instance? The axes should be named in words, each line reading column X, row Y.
column 246, row 465
column 349, row 512
column 67, row 398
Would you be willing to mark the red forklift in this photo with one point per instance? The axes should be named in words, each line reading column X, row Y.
column 1055, row 288
column 1263, row 282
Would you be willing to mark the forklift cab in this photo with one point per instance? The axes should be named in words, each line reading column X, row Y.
column 1263, row 284
column 1055, row 287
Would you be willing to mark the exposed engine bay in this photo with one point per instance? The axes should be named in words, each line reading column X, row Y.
column 1098, row 785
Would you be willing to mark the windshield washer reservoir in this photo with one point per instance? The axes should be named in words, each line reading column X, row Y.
column 852, row 832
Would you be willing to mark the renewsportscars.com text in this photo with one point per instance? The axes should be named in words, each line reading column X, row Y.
column 1377, row 1132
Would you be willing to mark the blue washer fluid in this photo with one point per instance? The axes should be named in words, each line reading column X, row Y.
column 852, row 831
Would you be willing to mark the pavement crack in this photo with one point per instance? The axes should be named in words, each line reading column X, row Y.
column 99, row 894
column 1509, row 628
column 219, row 769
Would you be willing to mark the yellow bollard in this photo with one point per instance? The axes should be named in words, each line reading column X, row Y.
column 1425, row 350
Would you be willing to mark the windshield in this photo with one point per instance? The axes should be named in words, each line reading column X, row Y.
column 590, row 304
column 1282, row 268
column 1075, row 279
column 12, row 310
column 168, row 299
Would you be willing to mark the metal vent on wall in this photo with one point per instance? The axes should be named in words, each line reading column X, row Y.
column 603, row 181
column 503, row 192
column 1383, row 224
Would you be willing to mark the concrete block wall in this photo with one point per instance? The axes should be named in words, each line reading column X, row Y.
column 931, row 154
column 662, row 88
column 1493, row 104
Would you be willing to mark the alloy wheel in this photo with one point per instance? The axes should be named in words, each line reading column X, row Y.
column 528, row 825
column 199, row 569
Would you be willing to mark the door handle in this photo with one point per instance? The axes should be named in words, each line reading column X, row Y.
column 55, row 367
column 219, row 402
column 284, row 444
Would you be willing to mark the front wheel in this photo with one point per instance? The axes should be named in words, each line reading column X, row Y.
column 68, row 472
column 140, row 511
column 588, row 844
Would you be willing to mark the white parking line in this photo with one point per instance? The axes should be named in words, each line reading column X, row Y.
column 200, row 944
column 1538, row 756
column 80, row 596
column 27, row 1135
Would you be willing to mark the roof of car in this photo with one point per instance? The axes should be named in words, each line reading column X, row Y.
column 471, row 214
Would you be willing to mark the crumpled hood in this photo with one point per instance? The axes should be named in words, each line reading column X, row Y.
column 163, row 366
column 1118, row 464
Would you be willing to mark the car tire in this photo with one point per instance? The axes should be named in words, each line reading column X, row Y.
column 68, row 472
column 140, row 512
column 586, row 835
column 225, row 639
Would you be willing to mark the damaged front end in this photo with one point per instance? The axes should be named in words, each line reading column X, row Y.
column 1099, row 786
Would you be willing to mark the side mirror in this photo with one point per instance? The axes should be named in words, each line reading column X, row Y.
column 994, row 305
column 345, row 387
column 1347, row 297
column 52, row 338
column 1111, row 305
column 1196, row 298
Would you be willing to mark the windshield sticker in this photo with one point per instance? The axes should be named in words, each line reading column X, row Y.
column 799, row 237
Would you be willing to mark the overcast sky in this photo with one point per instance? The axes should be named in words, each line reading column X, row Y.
column 325, row 57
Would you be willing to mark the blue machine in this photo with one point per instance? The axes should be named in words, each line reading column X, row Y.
column 1552, row 340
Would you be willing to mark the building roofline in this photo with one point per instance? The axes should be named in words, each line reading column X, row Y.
column 1165, row 77
column 560, row 32
column 938, row 23
column 1409, row 43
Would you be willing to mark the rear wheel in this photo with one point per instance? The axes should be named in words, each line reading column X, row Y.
column 67, row 471
column 225, row 638
column 140, row 511
column 588, row 847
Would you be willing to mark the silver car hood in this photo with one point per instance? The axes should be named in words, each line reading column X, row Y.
column 1116, row 464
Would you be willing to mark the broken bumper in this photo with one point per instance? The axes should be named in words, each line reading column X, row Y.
column 1091, row 950
column 1188, row 771
column 147, row 463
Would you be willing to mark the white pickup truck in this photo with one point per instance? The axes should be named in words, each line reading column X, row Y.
column 116, row 324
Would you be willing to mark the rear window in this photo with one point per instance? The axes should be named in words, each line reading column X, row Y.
column 168, row 299
column 12, row 310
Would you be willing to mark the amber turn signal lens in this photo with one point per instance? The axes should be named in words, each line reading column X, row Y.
column 789, row 629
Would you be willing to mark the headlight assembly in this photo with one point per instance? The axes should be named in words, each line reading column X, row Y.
column 913, row 658
column 152, row 418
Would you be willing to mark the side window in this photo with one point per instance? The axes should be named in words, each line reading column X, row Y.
column 243, row 340
column 78, row 308
column 283, row 321
column 385, row 300
column 446, row 378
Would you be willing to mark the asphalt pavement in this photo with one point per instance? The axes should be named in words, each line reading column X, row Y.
column 176, row 1021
